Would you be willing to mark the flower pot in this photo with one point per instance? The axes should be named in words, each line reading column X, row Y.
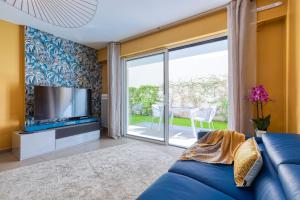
column 259, row 133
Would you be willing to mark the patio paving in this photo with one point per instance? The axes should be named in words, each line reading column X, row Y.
column 179, row 135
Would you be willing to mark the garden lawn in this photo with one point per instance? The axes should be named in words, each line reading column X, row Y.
column 136, row 119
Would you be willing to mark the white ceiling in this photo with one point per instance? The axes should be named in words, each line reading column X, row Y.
column 116, row 20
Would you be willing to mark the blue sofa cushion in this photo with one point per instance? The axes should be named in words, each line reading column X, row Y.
column 282, row 148
column 267, row 184
column 172, row 186
column 219, row 177
column 289, row 175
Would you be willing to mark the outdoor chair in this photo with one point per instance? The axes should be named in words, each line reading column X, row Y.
column 158, row 112
column 203, row 115
column 137, row 109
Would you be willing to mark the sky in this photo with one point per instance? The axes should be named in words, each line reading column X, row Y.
column 184, row 64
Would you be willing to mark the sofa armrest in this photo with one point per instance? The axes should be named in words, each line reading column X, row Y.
column 201, row 134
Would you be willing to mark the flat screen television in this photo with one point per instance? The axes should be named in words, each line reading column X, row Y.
column 61, row 102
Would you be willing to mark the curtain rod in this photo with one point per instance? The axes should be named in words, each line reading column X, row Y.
column 270, row 6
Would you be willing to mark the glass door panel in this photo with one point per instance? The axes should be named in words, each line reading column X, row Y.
column 198, row 101
column 145, row 97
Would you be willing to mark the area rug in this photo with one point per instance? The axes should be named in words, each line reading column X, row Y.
column 116, row 173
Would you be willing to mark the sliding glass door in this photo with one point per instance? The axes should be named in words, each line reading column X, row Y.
column 145, row 89
column 171, row 96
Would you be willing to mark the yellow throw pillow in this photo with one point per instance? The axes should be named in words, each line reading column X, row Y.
column 247, row 163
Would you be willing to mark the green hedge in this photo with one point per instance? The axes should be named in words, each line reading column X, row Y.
column 141, row 99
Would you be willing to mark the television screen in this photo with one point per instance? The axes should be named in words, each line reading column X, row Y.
column 61, row 102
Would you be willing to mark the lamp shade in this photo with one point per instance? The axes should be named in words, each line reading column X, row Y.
column 63, row 13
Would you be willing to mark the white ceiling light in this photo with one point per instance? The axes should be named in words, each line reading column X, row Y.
column 63, row 13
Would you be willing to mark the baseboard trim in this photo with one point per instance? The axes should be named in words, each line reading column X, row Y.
column 5, row 150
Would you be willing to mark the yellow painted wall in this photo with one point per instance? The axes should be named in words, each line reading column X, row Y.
column 102, row 58
column 270, row 48
column 11, row 81
column 205, row 26
column 271, row 69
column 293, row 62
column 102, row 54
column 104, row 77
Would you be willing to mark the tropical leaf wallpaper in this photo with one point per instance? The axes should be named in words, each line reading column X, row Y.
column 53, row 61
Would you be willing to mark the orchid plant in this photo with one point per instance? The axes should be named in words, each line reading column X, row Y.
column 259, row 97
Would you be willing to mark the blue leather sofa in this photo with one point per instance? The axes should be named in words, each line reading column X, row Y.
column 279, row 178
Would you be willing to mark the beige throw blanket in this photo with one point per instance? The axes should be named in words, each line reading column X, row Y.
column 215, row 147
